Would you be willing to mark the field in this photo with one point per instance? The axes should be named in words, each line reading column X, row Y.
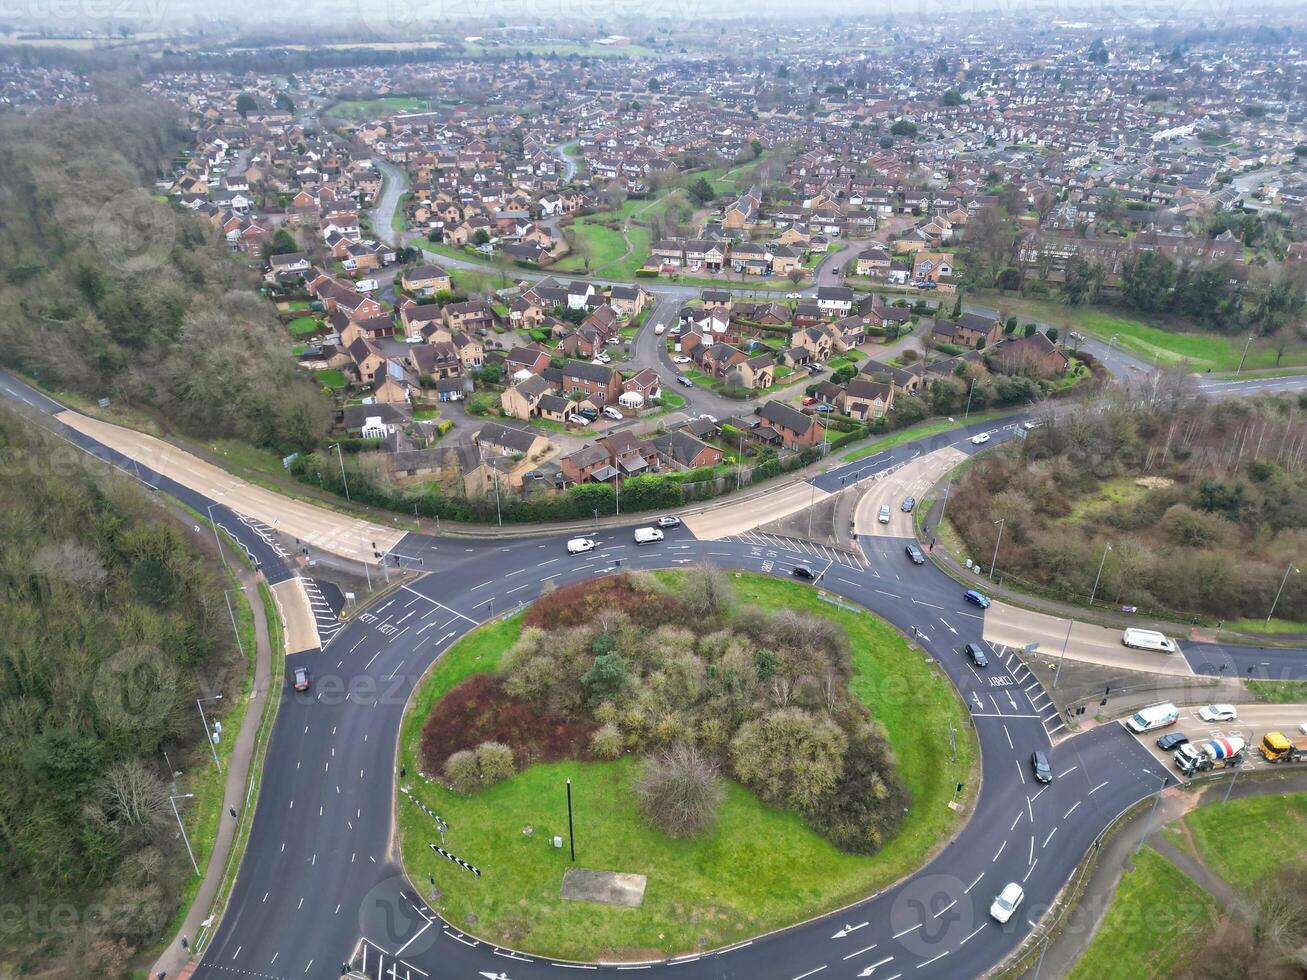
column 1246, row 840
column 371, row 108
column 759, row 868
column 1156, row 910
column 1167, row 345
column 605, row 248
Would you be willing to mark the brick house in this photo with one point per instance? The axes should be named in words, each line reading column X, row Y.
column 864, row 399
column 969, row 330
column 599, row 383
column 796, row 430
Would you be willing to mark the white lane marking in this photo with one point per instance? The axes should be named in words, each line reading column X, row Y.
column 1009, row 737
column 906, row 931
column 998, row 852
column 810, row 972
column 1048, row 838
column 967, row 890
column 1068, row 772
column 1030, row 871
column 1072, row 810
column 1097, row 788
column 1021, row 771
column 865, row 949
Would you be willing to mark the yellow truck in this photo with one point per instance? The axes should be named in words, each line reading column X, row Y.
column 1278, row 747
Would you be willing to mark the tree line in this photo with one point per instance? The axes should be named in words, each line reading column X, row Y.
column 113, row 624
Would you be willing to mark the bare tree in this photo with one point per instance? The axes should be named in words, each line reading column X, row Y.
column 680, row 790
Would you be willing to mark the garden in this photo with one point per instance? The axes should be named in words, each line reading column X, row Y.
column 759, row 755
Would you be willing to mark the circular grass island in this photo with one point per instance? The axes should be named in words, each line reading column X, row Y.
column 758, row 755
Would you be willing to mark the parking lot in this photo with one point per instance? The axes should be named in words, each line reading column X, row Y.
column 1254, row 721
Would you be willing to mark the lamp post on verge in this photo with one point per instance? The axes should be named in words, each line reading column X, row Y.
column 226, row 594
column 997, row 541
column 1279, row 590
column 173, row 800
column 208, row 735
column 1166, row 781
column 1102, row 561
column 571, row 838
column 216, row 540
column 341, row 456
column 1058, row 673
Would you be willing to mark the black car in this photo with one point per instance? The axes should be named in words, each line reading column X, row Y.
column 301, row 682
column 908, row 504
column 977, row 654
column 684, row 381
column 913, row 552
column 1039, row 763
column 589, row 413
column 1172, row 741
column 803, row 571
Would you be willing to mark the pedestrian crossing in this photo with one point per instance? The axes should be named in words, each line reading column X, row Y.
column 324, row 616
column 799, row 547
column 1031, row 690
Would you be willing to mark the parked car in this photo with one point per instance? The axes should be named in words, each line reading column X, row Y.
column 613, row 413
column 668, row 521
column 913, row 552
column 301, row 679
column 1007, row 902
column 809, row 400
column 1219, row 712
column 579, row 546
column 1040, row 767
column 680, row 359
column 803, row 571
column 590, row 413
column 908, row 504
column 824, row 408
column 614, row 341
column 813, row 368
column 794, row 295
column 1168, row 743
column 602, row 358
column 980, row 438
column 977, row 654
column 884, row 514
column 684, row 381
column 975, row 598
column 579, row 419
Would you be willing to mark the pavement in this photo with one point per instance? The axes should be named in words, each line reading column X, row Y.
column 236, row 789
column 297, row 619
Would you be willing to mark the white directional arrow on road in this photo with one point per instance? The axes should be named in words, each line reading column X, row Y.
column 950, row 628
column 848, row 929
column 867, row 971
column 494, row 976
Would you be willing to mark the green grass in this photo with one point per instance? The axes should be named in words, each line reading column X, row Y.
column 1152, row 928
column 1112, row 493
column 1169, row 345
column 920, row 431
column 298, row 305
column 332, row 378
column 368, row 108
column 760, row 868
column 1280, row 692
column 1245, row 841
column 302, row 326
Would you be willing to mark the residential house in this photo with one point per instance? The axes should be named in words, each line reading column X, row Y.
column 970, row 330
column 682, row 451
column 835, row 300
column 504, row 440
column 597, row 383
column 865, row 399
column 795, row 429
column 1034, row 356
column 522, row 400
column 426, row 280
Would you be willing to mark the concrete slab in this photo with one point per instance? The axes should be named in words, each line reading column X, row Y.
column 297, row 616
column 724, row 520
column 1015, row 627
column 604, row 887
column 318, row 527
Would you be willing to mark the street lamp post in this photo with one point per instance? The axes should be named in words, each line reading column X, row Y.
column 1102, row 561
column 226, row 594
column 944, row 505
column 1166, row 781
column 1058, row 673
column 970, row 391
column 571, row 838
column 997, row 542
column 1279, row 590
column 173, row 800
column 199, row 703
column 341, row 456
column 216, row 540
column 1247, row 343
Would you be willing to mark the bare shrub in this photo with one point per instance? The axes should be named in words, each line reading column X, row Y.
column 462, row 771
column 680, row 791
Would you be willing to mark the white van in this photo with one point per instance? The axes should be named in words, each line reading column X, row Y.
column 658, row 329
column 1154, row 716
column 648, row 535
column 1147, row 640
column 579, row 546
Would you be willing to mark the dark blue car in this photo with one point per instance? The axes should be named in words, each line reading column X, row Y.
column 971, row 595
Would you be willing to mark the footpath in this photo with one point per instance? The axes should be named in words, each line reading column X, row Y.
column 175, row 961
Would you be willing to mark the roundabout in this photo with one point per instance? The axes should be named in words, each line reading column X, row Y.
column 322, row 891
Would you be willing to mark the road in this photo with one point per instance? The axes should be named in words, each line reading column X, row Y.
column 319, row 876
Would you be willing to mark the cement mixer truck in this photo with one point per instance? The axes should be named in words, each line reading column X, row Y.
column 1216, row 753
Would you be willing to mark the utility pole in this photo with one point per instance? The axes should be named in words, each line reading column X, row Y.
column 208, row 735
column 1243, row 355
column 970, row 391
column 1278, row 591
column 997, row 542
column 341, row 456
column 226, row 594
column 1101, row 563
column 216, row 540
column 173, row 800
column 571, row 837
column 1058, row 673
column 1151, row 813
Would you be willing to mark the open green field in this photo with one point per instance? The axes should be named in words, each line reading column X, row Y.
column 1167, row 345
column 758, row 869
column 1153, row 925
column 921, row 431
column 604, row 248
column 369, row 108
column 1245, row 841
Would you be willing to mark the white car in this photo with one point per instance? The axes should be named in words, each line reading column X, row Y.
column 1303, row 728
column 1219, row 712
column 794, row 295
column 614, row 341
column 980, row 438
column 710, row 418
column 1029, row 424
column 602, row 358
column 680, row 359
column 579, row 546
column 1007, row 902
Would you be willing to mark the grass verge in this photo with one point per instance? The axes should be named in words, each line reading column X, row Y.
column 1153, row 925
column 759, row 869
column 1246, row 840
column 921, row 431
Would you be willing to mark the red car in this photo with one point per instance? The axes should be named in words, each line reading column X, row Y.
column 810, row 400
